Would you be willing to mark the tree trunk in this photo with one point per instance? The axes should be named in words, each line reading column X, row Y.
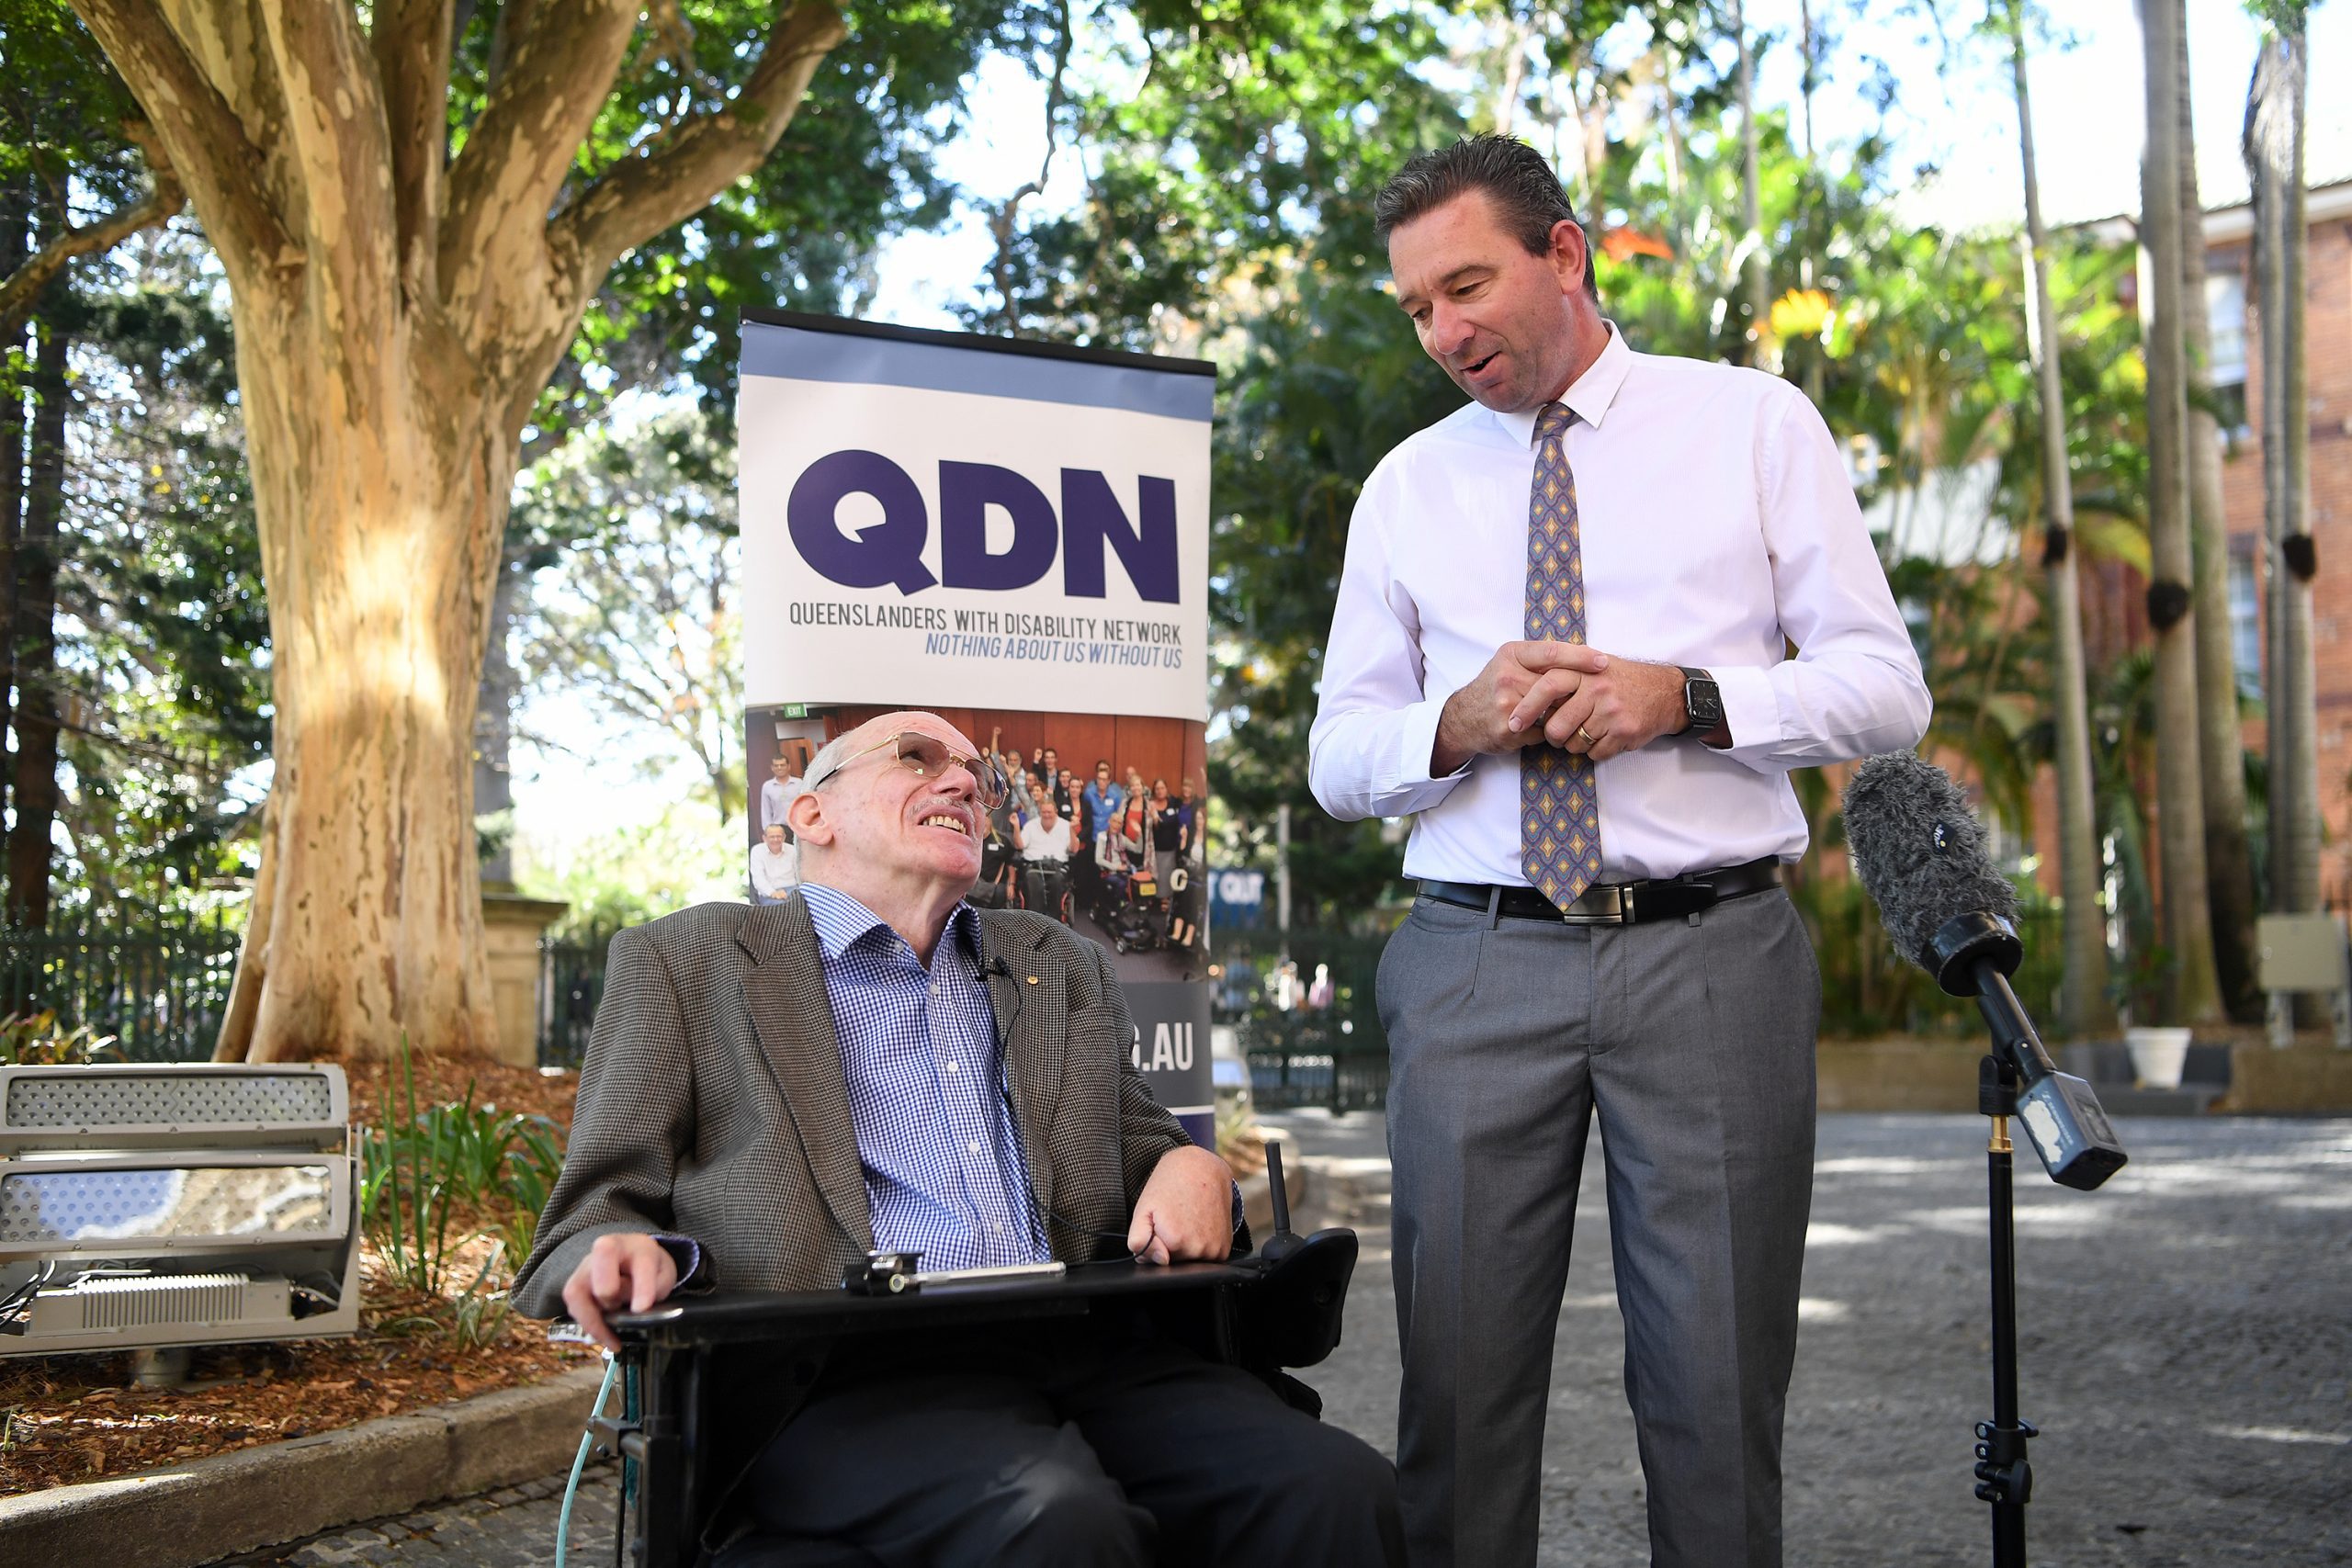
column 2194, row 994
column 2079, row 870
column 380, row 481
column 33, row 635
column 400, row 304
column 2229, row 863
column 16, row 211
column 2274, row 156
column 494, row 723
column 1751, row 205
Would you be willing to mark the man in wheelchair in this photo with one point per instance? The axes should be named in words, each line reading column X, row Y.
column 772, row 1092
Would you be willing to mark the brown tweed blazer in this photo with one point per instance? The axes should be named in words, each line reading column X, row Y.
column 712, row 1104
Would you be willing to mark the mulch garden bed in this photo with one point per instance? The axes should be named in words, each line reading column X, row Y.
column 79, row 1417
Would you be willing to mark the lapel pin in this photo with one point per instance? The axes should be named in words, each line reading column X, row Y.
column 1033, row 980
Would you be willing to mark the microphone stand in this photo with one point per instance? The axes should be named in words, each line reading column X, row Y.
column 1973, row 955
column 2004, row 1474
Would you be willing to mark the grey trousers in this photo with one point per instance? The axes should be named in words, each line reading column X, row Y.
column 1693, row 1041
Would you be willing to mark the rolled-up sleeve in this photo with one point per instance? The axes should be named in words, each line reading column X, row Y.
column 1368, row 754
column 1854, row 688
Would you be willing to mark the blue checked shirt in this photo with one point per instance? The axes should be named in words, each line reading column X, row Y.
column 944, row 1170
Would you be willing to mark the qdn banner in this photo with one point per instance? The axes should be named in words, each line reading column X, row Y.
column 959, row 521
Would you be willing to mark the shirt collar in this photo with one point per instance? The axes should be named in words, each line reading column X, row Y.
column 1588, row 397
column 842, row 921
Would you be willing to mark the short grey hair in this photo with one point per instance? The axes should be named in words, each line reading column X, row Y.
column 828, row 757
column 1527, row 194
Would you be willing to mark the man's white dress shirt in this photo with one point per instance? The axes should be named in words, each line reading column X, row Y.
column 771, row 802
column 774, row 872
column 1716, row 522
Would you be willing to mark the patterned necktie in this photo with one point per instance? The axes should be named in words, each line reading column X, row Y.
column 1559, row 808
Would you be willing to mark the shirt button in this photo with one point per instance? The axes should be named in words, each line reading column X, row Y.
column 974, row 1145
column 951, row 1066
column 1000, row 1229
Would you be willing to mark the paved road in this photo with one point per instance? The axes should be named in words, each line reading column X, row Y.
column 2187, row 1344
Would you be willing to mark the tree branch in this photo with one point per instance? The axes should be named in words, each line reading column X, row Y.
column 552, row 83
column 676, row 176
column 199, row 131
column 336, row 131
column 19, row 292
column 412, row 40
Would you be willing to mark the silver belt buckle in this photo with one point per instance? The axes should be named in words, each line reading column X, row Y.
column 1610, row 896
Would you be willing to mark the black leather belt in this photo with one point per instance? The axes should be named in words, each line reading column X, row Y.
column 1616, row 903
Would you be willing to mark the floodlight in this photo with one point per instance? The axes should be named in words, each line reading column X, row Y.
column 151, row 1205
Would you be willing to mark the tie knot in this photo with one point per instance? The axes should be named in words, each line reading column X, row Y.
column 1555, row 420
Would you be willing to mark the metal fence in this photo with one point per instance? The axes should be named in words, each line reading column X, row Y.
column 1304, row 1016
column 572, row 983
column 161, row 991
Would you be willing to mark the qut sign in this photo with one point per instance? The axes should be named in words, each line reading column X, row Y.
column 1091, row 526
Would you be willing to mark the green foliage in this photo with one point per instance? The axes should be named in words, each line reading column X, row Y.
column 640, row 614
column 33, row 1040
column 614, row 876
column 162, row 630
column 422, row 1171
column 853, row 168
column 1219, row 139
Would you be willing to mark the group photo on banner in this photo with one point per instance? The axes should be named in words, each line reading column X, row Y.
column 1013, row 536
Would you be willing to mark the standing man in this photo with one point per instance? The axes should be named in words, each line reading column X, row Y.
column 1101, row 802
column 773, row 800
column 1560, row 645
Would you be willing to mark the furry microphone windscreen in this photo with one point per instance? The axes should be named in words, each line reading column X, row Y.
column 1920, row 851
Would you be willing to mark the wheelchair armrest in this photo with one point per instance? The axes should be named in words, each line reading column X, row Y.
column 1290, row 1317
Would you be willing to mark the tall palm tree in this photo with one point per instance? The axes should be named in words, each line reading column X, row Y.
column 2180, row 812
column 2079, row 872
column 2274, row 156
column 2220, row 750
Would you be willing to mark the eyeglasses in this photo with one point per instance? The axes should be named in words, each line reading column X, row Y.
column 929, row 757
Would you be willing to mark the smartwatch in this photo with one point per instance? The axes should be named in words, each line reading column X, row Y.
column 1706, row 701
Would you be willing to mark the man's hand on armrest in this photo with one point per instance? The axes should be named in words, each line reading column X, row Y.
column 1186, row 1212
column 629, row 1270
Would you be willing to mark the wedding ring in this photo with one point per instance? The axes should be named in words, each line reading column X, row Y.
column 1589, row 739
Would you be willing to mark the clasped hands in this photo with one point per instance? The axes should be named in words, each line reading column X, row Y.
column 1561, row 693
column 1184, row 1215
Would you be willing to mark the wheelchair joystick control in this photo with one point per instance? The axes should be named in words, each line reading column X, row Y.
column 1285, row 1241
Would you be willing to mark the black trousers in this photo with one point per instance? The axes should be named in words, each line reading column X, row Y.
column 1064, row 1445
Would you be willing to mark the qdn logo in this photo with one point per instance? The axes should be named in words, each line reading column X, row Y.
column 1093, row 525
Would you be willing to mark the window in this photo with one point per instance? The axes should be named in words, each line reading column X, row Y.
column 2245, row 625
column 2225, row 311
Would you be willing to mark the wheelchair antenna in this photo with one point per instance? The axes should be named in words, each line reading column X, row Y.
column 1285, row 1241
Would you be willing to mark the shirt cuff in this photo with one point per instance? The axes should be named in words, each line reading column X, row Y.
column 1750, row 709
column 1419, row 743
column 686, row 1253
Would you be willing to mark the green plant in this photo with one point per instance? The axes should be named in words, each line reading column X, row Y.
column 425, row 1167
column 33, row 1040
column 532, row 1166
column 478, row 1316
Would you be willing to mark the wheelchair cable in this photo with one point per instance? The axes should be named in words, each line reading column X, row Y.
column 580, row 1461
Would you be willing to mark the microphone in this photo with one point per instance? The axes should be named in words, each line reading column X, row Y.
column 1920, row 852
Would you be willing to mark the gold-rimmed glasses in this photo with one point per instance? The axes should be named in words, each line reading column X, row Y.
column 929, row 757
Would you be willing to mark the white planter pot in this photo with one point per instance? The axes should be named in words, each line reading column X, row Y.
column 2157, row 1055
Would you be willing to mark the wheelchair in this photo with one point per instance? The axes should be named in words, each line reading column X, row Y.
column 705, row 1374
column 1044, row 887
